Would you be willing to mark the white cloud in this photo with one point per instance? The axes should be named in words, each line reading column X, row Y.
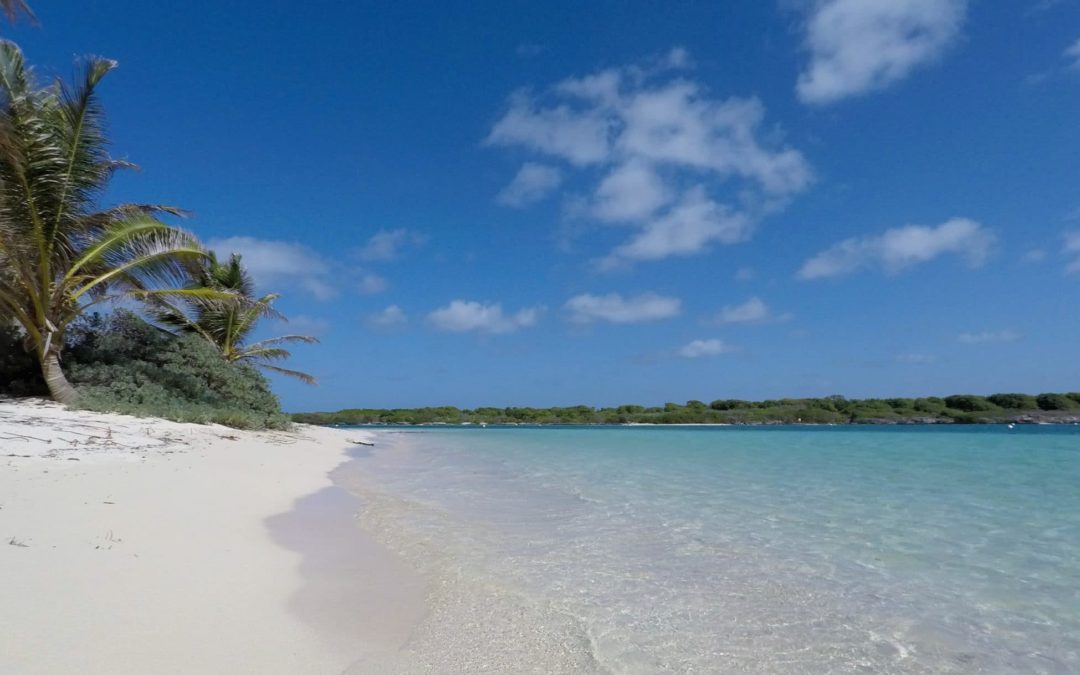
column 586, row 308
column 701, row 348
column 661, row 145
column 1073, row 54
column 902, row 247
column 753, row 310
column 528, row 50
column 532, row 183
column 462, row 316
column 630, row 192
column 372, row 284
column 1035, row 255
column 678, row 125
column 745, row 274
column 857, row 46
column 1072, row 248
column 678, row 57
column 391, row 317
column 989, row 336
column 581, row 138
column 687, row 228
column 279, row 266
column 916, row 359
column 389, row 244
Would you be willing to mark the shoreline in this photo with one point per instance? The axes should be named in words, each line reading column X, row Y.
column 152, row 546
column 138, row 545
column 1067, row 421
column 475, row 620
column 619, row 555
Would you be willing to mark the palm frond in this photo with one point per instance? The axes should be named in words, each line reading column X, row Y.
column 299, row 375
column 262, row 354
column 12, row 9
column 156, row 257
column 111, row 237
column 87, row 166
column 284, row 339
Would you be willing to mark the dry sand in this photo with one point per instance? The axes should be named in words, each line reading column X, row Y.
column 144, row 546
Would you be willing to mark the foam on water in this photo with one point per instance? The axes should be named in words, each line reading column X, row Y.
column 736, row 550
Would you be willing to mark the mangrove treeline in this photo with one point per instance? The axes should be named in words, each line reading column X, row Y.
column 960, row 408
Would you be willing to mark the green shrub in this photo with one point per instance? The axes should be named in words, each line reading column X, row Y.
column 1013, row 401
column 871, row 408
column 931, row 405
column 969, row 403
column 124, row 365
column 1056, row 402
column 898, row 404
column 729, row 404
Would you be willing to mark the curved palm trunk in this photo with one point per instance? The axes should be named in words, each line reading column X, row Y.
column 59, row 388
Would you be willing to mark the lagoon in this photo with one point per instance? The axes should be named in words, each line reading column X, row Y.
column 732, row 549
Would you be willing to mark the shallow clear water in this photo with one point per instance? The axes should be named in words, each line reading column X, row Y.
column 641, row 550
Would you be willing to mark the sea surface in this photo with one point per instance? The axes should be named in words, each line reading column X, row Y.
column 734, row 550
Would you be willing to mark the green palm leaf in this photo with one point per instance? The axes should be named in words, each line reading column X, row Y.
column 59, row 251
column 227, row 322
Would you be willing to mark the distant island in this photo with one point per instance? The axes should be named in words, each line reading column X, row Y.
column 956, row 409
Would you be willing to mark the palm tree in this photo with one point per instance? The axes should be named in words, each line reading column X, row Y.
column 59, row 254
column 227, row 322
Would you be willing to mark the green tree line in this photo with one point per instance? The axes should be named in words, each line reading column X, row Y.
column 960, row 408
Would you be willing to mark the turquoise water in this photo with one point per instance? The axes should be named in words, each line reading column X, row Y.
column 829, row 549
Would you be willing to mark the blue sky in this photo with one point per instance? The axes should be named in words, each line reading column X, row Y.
column 505, row 203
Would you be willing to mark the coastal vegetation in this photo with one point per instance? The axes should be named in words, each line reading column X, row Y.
column 59, row 253
column 963, row 409
column 121, row 363
column 228, row 323
column 64, row 256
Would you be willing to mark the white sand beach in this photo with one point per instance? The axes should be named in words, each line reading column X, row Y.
column 146, row 546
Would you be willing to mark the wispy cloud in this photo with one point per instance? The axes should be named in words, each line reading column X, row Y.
column 532, row 183
column 372, row 284
column 660, row 144
column 1035, row 255
column 858, row 46
column 614, row 308
column 529, row 50
column 632, row 191
column 983, row 337
column 463, row 316
column 387, row 245
column 391, row 317
column 1073, row 55
column 280, row 266
column 685, row 229
column 697, row 349
column 1072, row 250
column 1043, row 6
column 753, row 310
column 900, row 248
column 915, row 359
